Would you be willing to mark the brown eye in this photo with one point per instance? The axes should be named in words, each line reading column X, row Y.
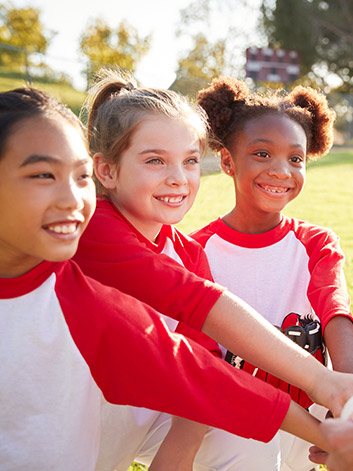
column 263, row 154
column 297, row 159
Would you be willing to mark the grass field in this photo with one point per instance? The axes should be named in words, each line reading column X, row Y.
column 62, row 91
column 327, row 200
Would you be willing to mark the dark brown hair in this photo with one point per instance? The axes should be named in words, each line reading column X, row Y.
column 229, row 105
column 25, row 103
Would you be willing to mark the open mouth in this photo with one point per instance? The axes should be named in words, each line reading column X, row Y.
column 171, row 199
column 68, row 228
column 275, row 189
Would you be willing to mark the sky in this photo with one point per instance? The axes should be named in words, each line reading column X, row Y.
column 69, row 18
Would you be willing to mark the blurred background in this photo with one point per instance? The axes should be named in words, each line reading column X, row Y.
column 182, row 45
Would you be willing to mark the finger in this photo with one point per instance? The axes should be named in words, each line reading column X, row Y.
column 317, row 456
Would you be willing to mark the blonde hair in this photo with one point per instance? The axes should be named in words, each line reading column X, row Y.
column 115, row 106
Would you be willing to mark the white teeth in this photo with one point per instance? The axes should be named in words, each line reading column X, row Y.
column 171, row 199
column 273, row 189
column 63, row 229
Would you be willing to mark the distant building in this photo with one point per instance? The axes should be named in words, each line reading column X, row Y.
column 272, row 65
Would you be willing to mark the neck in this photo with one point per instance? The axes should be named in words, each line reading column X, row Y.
column 149, row 229
column 14, row 268
column 252, row 224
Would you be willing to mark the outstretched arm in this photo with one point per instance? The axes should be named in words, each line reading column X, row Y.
column 178, row 450
column 239, row 328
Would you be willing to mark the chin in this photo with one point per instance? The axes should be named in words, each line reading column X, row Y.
column 62, row 255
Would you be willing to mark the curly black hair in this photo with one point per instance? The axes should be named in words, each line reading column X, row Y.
column 229, row 105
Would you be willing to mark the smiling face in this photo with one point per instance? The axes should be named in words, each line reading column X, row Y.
column 267, row 161
column 157, row 177
column 46, row 193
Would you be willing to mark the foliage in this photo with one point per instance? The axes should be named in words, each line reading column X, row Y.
column 137, row 467
column 105, row 46
column 205, row 60
column 321, row 30
column 216, row 43
column 21, row 35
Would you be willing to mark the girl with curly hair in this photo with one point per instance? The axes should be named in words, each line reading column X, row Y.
column 289, row 270
column 146, row 146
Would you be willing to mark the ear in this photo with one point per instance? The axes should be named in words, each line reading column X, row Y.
column 104, row 171
column 227, row 163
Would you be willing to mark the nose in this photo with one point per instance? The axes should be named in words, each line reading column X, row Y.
column 176, row 176
column 280, row 169
column 69, row 196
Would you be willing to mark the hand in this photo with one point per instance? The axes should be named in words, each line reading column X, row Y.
column 337, row 389
column 318, row 456
column 339, row 436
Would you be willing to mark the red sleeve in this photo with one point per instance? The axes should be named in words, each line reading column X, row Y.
column 126, row 352
column 202, row 235
column 193, row 256
column 327, row 290
column 111, row 252
column 195, row 260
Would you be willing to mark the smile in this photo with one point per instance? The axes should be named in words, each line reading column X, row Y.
column 275, row 189
column 63, row 228
column 171, row 199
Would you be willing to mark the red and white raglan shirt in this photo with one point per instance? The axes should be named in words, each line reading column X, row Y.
column 114, row 252
column 291, row 271
column 67, row 340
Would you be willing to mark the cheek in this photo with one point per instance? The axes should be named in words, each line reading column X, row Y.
column 89, row 197
column 301, row 178
column 194, row 180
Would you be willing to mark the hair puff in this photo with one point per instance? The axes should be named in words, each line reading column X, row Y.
column 322, row 118
column 218, row 100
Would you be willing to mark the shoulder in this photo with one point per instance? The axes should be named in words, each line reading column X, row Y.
column 107, row 216
column 82, row 294
column 306, row 231
column 203, row 235
column 191, row 253
column 315, row 238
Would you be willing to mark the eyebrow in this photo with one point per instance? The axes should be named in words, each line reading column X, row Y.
column 162, row 151
column 35, row 158
column 268, row 141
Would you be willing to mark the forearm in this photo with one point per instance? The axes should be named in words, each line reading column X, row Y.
column 240, row 329
column 300, row 423
column 178, row 449
column 338, row 336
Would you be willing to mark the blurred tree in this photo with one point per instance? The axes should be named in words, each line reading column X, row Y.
column 104, row 46
column 216, row 43
column 21, row 35
column 204, row 62
column 321, row 30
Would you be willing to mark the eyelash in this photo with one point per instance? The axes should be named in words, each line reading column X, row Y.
column 43, row 176
column 85, row 176
column 157, row 161
column 262, row 154
column 194, row 160
column 297, row 157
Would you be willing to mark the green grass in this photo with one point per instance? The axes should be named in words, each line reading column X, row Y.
column 60, row 90
column 327, row 199
column 137, row 467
